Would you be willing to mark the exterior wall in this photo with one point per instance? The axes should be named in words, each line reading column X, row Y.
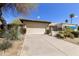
column 35, row 27
column 61, row 26
column 64, row 25
column 35, row 24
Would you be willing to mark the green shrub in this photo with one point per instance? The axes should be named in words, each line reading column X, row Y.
column 68, row 29
column 12, row 34
column 66, row 33
column 1, row 33
column 60, row 36
column 5, row 45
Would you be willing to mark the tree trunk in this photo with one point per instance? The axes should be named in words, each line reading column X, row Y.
column 71, row 20
column 4, row 24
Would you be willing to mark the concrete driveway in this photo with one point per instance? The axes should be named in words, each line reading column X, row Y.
column 44, row 45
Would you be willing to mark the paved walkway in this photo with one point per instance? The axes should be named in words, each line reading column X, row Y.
column 44, row 45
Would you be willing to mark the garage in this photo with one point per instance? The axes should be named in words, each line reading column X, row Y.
column 35, row 26
column 35, row 31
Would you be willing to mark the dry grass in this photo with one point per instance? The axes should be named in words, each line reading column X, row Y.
column 75, row 40
column 14, row 50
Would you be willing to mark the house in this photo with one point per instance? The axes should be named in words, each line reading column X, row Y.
column 62, row 26
column 35, row 26
column 72, row 26
column 56, row 27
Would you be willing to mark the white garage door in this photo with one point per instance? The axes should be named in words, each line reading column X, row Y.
column 35, row 30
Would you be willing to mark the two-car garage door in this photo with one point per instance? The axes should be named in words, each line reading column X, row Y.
column 35, row 30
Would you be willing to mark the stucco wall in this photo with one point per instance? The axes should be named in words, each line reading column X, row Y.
column 35, row 27
column 35, row 24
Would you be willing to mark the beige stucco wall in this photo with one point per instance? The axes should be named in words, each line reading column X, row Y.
column 35, row 27
column 35, row 24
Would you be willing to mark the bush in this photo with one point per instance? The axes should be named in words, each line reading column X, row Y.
column 65, row 33
column 76, row 34
column 1, row 33
column 5, row 45
column 47, row 31
column 60, row 36
column 68, row 33
column 71, row 36
column 12, row 34
column 23, row 30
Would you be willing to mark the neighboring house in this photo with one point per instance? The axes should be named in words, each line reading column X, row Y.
column 35, row 26
column 62, row 26
column 72, row 26
column 56, row 27
column 53, row 26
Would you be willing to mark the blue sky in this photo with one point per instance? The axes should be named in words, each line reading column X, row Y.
column 54, row 12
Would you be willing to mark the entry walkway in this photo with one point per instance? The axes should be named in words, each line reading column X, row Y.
column 44, row 45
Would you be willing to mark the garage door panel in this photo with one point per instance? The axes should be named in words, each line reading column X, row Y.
column 35, row 30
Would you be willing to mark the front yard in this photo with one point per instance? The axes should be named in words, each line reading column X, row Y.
column 75, row 40
column 11, row 41
column 14, row 50
column 68, row 35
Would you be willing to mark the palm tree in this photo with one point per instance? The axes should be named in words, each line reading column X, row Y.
column 66, row 21
column 20, row 7
column 72, row 16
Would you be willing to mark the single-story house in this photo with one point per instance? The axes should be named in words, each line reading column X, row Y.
column 72, row 26
column 62, row 26
column 35, row 26
column 56, row 27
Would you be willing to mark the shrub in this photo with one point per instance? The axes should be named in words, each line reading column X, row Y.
column 12, row 34
column 75, row 33
column 68, row 32
column 71, row 35
column 23, row 30
column 47, row 31
column 5, row 45
column 65, row 33
column 60, row 35
column 1, row 33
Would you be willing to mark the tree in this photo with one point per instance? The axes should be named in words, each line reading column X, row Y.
column 66, row 21
column 20, row 7
column 72, row 16
column 16, row 22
